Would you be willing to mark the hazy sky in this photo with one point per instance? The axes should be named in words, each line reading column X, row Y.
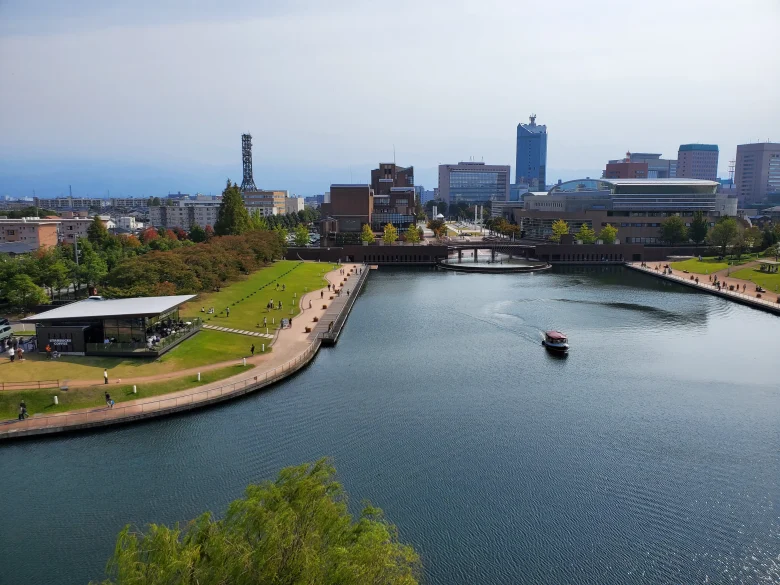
column 170, row 85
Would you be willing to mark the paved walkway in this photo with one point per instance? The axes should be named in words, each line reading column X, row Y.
column 768, row 301
column 293, row 348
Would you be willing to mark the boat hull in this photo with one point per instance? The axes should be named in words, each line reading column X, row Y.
column 556, row 347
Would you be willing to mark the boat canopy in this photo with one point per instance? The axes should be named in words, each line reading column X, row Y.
column 555, row 335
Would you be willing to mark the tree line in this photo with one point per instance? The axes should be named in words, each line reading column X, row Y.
column 158, row 262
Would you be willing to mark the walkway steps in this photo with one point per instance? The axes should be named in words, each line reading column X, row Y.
column 239, row 331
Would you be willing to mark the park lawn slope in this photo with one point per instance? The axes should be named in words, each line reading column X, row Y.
column 771, row 282
column 42, row 401
column 203, row 348
column 706, row 266
column 248, row 298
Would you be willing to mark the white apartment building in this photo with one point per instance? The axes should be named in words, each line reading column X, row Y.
column 293, row 204
column 184, row 215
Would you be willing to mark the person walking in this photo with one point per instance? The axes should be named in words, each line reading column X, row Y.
column 310, row 303
column 105, row 376
column 322, row 293
column 290, row 322
column 22, row 410
column 109, row 401
column 11, row 353
column 48, row 351
column 265, row 321
column 347, row 292
column 252, row 349
column 228, row 311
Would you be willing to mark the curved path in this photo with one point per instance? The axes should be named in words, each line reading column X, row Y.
column 293, row 349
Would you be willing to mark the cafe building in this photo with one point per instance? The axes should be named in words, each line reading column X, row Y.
column 134, row 327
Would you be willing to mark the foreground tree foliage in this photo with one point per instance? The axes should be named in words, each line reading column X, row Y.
column 673, row 230
column 586, row 234
column 232, row 217
column 296, row 530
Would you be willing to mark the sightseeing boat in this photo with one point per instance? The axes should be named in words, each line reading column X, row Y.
column 555, row 341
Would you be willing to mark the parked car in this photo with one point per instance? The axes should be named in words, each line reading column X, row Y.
column 4, row 322
column 5, row 332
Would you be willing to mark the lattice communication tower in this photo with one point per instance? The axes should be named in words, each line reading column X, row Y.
column 248, row 184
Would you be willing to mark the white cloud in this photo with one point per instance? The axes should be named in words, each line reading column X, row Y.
column 334, row 84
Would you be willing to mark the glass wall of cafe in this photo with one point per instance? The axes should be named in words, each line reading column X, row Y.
column 71, row 336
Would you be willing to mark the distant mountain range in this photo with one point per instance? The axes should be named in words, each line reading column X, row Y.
column 52, row 178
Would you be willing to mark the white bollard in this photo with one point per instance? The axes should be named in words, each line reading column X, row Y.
column 273, row 320
column 244, row 361
column 135, row 390
column 198, row 376
column 56, row 400
column 264, row 347
column 266, row 330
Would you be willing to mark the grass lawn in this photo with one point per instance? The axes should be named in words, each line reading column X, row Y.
column 706, row 266
column 246, row 298
column 771, row 282
column 205, row 347
column 42, row 401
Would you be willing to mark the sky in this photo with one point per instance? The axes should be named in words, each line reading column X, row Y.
column 145, row 97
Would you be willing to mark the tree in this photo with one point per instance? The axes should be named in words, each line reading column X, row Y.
column 752, row 237
column 673, row 230
column 23, row 294
column 197, row 234
column 724, row 233
column 438, row 227
column 412, row 235
column 390, row 234
column 209, row 232
column 301, row 236
column 232, row 217
column 608, row 234
column 148, row 235
column 295, row 530
column 367, row 234
column 97, row 233
column 699, row 228
column 586, row 234
column 559, row 228
column 257, row 221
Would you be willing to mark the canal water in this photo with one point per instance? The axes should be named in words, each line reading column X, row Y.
column 649, row 455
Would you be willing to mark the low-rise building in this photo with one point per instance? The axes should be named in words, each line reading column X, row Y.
column 32, row 232
column 184, row 214
column 72, row 228
column 58, row 203
column 347, row 208
column 293, row 204
column 635, row 206
column 473, row 183
column 128, row 223
column 266, row 198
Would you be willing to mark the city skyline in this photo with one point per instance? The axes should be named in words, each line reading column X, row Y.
column 161, row 105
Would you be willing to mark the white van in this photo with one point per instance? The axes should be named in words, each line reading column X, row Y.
column 5, row 332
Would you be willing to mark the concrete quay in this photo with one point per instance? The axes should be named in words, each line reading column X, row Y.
column 293, row 350
column 706, row 286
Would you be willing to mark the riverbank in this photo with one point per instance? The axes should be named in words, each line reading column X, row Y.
column 294, row 348
column 691, row 280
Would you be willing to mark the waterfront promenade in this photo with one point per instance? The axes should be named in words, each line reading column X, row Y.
column 768, row 301
column 293, row 348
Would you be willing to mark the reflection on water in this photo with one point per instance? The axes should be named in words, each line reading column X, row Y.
column 648, row 455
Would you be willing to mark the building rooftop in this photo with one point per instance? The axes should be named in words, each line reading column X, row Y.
column 661, row 182
column 99, row 308
column 689, row 147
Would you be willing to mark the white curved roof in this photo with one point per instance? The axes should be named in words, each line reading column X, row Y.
column 100, row 308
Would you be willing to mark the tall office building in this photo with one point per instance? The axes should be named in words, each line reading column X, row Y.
column 531, row 157
column 758, row 171
column 473, row 183
column 697, row 161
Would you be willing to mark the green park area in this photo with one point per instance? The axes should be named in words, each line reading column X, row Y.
column 710, row 264
column 703, row 266
column 770, row 281
column 42, row 401
column 247, row 300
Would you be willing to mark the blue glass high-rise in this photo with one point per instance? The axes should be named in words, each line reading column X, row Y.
column 531, row 159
